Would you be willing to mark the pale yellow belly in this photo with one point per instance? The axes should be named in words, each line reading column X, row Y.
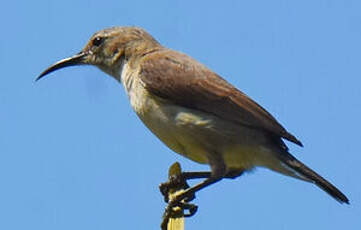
column 195, row 135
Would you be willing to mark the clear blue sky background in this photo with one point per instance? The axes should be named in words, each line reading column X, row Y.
column 73, row 155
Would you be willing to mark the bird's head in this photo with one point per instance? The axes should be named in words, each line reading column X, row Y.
column 108, row 49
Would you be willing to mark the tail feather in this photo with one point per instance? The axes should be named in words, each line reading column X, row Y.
column 312, row 176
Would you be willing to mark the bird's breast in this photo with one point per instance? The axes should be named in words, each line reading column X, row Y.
column 160, row 116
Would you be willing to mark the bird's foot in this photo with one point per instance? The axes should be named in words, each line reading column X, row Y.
column 176, row 193
column 175, row 210
column 178, row 211
column 175, row 183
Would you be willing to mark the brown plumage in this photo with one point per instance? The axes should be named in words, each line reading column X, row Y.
column 182, row 80
column 179, row 78
column 193, row 110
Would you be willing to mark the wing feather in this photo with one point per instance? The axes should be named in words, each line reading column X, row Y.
column 184, row 81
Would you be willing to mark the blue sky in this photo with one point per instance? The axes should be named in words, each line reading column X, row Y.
column 73, row 155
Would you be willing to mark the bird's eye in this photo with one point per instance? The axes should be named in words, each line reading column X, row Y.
column 97, row 41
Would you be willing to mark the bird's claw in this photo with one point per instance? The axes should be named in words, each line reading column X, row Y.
column 172, row 212
column 191, row 208
column 175, row 182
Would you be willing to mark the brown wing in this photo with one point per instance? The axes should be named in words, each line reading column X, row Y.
column 181, row 79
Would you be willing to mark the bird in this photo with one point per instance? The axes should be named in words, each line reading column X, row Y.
column 193, row 110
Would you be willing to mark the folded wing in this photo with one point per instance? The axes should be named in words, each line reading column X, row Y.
column 184, row 81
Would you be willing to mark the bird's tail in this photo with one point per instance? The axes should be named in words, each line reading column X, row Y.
column 301, row 171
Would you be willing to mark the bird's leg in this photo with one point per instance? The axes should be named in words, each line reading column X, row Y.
column 231, row 174
column 188, row 194
column 218, row 171
column 211, row 178
column 177, row 200
column 174, row 182
column 177, row 186
column 180, row 180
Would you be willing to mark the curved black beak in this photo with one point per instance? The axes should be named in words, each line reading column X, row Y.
column 77, row 59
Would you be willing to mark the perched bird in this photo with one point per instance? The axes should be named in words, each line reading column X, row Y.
column 192, row 110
